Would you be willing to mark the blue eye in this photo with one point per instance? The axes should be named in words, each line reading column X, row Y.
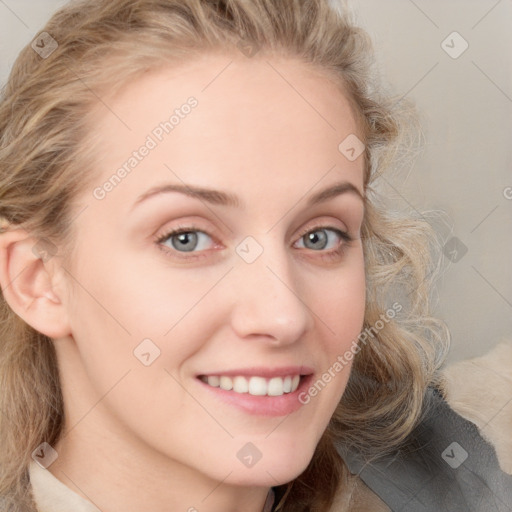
column 329, row 242
column 323, row 238
column 186, row 240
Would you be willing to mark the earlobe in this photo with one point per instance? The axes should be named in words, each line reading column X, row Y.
column 28, row 280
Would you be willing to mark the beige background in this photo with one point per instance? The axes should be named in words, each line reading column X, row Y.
column 465, row 167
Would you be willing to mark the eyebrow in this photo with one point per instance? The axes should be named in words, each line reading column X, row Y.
column 337, row 189
column 218, row 197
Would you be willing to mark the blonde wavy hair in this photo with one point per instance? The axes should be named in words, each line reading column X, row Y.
column 46, row 147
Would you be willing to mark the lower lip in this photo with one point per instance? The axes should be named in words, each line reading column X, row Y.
column 262, row 405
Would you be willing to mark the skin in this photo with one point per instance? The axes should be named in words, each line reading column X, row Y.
column 152, row 437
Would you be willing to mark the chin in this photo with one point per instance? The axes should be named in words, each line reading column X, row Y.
column 280, row 467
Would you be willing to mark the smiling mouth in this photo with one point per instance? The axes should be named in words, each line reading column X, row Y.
column 255, row 386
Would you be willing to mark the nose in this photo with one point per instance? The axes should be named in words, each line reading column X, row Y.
column 269, row 301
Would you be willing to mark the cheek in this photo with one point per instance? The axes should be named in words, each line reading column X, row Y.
column 136, row 298
column 128, row 302
column 341, row 310
column 342, row 304
column 125, row 306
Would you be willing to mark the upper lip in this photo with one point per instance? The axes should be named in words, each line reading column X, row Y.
column 263, row 371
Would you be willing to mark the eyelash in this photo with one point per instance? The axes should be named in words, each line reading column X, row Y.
column 330, row 256
column 178, row 231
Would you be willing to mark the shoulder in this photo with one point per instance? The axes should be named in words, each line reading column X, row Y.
column 480, row 390
column 355, row 496
column 460, row 453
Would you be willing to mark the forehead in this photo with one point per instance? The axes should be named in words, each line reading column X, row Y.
column 253, row 121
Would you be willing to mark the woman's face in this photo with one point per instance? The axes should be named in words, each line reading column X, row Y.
column 261, row 290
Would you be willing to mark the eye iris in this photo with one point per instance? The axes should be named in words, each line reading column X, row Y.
column 185, row 241
column 316, row 237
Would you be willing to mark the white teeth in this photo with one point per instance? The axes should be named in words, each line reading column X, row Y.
column 275, row 386
column 256, row 386
column 214, row 381
column 226, row 383
column 240, row 385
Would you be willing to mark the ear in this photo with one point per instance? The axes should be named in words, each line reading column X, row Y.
column 31, row 283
